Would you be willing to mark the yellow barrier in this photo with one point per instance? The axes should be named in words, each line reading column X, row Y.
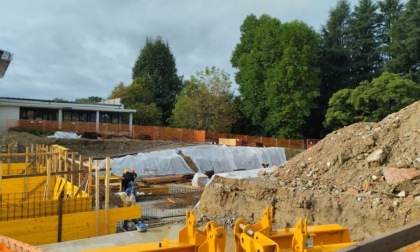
column 17, row 186
column 44, row 230
column 35, row 208
column 13, row 168
column 18, row 204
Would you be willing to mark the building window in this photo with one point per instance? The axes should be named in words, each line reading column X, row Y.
column 75, row 117
column 38, row 114
column 66, row 116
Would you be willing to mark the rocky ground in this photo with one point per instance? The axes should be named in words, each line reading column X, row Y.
column 364, row 177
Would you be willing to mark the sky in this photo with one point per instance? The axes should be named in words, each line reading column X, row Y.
column 77, row 49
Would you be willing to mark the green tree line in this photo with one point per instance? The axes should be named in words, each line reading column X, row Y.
column 292, row 81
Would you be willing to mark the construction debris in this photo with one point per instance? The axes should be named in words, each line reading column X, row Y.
column 344, row 179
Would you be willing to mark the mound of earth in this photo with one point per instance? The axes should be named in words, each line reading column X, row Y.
column 18, row 141
column 365, row 177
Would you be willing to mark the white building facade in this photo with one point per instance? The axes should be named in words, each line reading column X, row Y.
column 39, row 110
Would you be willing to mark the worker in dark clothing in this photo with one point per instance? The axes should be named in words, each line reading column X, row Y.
column 132, row 175
column 125, row 179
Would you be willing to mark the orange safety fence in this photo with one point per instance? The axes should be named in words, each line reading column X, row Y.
column 244, row 140
column 152, row 133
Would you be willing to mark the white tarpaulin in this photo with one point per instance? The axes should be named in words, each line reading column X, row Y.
column 217, row 158
column 220, row 158
column 157, row 163
column 62, row 134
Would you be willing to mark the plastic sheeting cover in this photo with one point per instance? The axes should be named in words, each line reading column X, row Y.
column 157, row 163
column 221, row 158
column 62, row 134
column 217, row 158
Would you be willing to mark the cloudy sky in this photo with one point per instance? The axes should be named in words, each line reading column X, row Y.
column 76, row 49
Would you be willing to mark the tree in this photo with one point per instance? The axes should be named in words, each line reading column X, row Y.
column 90, row 99
column 277, row 73
column 137, row 96
column 363, row 43
column 335, row 63
column 390, row 12
column 146, row 114
column 205, row 103
column 60, row 100
column 335, row 56
column 243, row 124
column 157, row 64
column 371, row 101
column 340, row 111
column 405, row 43
column 118, row 91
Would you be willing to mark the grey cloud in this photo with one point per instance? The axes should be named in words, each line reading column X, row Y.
column 75, row 49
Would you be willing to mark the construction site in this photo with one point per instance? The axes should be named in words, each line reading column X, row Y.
column 358, row 189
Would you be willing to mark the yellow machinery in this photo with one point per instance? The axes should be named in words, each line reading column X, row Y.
column 262, row 237
column 190, row 239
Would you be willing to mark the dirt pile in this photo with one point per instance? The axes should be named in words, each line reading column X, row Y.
column 18, row 141
column 365, row 177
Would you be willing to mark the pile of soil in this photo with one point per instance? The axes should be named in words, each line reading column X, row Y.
column 97, row 148
column 365, row 177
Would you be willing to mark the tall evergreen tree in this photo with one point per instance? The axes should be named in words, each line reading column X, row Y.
column 363, row 43
column 390, row 11
column 405, row 43
column 334, row 62
column 157, row 64
column 335, row 56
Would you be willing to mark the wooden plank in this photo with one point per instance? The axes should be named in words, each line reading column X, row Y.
column 162, row 179
column 154, row 190
column 96, row 199
column 388, row 241
column 107, row 190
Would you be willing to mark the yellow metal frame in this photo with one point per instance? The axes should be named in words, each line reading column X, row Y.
column 260, row 236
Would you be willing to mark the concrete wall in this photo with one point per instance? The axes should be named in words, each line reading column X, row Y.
column 7, row 113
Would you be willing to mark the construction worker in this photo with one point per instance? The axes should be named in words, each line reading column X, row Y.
column 132, row 175
column 134, row 187
column 129, row 200
column 125, row 179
